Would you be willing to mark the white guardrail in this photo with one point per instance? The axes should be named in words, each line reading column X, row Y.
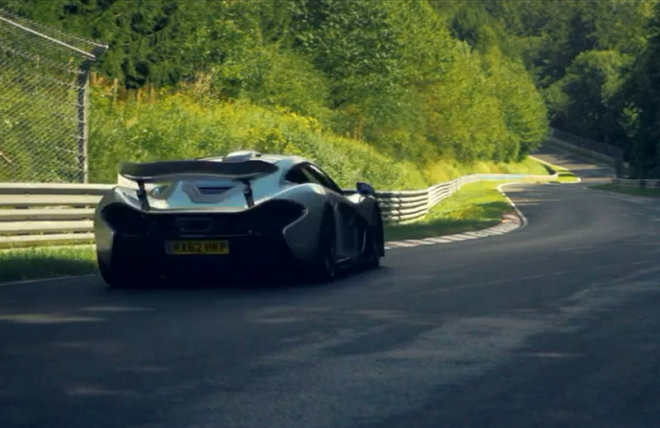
column 53, row 214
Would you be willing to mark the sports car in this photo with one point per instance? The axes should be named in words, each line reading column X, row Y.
column 243, row 213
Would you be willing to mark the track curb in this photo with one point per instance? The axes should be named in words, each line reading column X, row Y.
column 509, row 223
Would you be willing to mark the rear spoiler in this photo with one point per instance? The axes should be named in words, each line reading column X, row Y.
column 150, row 172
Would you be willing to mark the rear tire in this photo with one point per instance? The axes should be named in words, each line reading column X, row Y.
column 324, row 267
column 114, row 278
column 373, row 251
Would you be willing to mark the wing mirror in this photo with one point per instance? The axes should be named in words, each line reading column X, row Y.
column 365, row 189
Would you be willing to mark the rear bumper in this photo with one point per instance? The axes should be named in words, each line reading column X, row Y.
column 269, row 236
column 248, row 256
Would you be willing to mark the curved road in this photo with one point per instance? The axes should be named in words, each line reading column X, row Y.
column 552, row 325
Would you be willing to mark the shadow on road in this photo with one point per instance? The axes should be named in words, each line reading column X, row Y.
column 252, row 284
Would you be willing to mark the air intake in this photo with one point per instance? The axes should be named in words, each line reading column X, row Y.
column 213, row 190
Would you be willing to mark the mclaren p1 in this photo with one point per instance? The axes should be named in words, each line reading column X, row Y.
column 243, row 213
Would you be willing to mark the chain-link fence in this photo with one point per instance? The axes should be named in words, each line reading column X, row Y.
column 44, row 77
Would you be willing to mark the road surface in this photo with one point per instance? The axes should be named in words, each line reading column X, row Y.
column 552, row 325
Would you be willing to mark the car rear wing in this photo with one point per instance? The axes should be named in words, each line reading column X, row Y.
column 151, row 172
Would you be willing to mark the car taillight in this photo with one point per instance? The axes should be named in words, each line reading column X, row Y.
column 124, row 219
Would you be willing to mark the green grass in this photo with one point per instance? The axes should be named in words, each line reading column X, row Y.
column 635, row 191
column 529, row 166
column 474, row 207
column 567, row 177
column 46, row 262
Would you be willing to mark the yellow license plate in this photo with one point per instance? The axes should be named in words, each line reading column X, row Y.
column 198, row 247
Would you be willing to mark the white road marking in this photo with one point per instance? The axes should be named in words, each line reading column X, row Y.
column 439, row 240
column 576, row 248
column 418, row 242
column 403, row 244
column 497, row 232
column 453, row 238
column 116, row 309
column 481, row 234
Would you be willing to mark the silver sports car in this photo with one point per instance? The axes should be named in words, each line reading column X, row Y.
column 243, row 213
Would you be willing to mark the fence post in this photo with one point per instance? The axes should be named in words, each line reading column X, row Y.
column 429, row 199
column 618, row 166
column 83, row 120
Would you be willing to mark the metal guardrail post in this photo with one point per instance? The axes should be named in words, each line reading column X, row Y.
column 619, row 168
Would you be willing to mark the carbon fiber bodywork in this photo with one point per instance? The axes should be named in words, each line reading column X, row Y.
column 267, row 221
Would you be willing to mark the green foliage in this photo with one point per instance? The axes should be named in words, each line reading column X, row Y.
column 292, row 82
column 591, row 84
column 551, row 34
column 589, row 60
column 425, row 82
column 352, row 42
column 390, row 77
column 182, row 126
column 641, row 112
column 524, row 112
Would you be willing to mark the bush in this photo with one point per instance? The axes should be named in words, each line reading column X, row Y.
column 180, row 126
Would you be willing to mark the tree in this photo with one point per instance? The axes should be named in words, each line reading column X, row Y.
column 591, row 84
column 643, row 110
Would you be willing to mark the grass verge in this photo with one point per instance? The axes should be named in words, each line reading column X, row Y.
column 635, row 191
column 19, row 264
column 448, row 170
column 564, row 175
column 475, row 206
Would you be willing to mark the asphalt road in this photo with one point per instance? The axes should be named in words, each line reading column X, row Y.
column 552, row 325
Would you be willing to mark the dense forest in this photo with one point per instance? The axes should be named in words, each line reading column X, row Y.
column 413, row 88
